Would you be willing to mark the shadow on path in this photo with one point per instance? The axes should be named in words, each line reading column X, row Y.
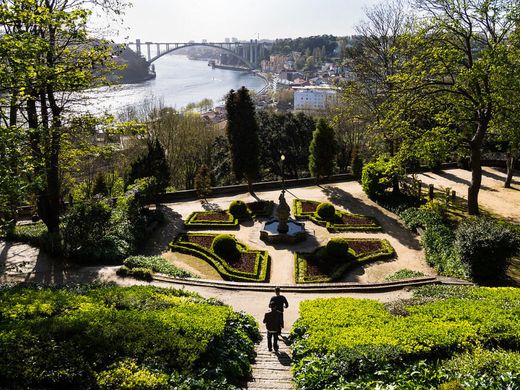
column 359, row 206
column 163, row 235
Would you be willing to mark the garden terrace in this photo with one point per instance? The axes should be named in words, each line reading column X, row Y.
column 342, row 221
column 250, row 266
column 318, row 267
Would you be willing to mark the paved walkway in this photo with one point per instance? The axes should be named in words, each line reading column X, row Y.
column 272, row 370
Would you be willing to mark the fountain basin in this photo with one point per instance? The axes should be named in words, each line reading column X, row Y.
column 270, row 234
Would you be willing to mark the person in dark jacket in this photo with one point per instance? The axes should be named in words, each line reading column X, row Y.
column 280, row 303
column 272, row 323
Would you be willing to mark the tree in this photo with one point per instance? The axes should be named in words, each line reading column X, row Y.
column 242, row 132
column 322, row 150
column 46, row 54
column 203, row 182
column 460, row 56
column 151, row 164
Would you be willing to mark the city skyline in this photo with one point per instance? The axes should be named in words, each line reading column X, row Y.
column 214, row 21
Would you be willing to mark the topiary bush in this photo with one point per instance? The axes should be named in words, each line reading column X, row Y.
column 238, row 209
column 486, row 247
column 326, row 211
column 225, row 246
column 338, row 248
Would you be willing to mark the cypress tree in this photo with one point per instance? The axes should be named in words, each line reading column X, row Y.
column 151, row 164
column 322, row 150
column 242, row 133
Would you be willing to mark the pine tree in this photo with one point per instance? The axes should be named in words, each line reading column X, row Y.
column 322, row 150
column 203, row 182
column 151, row 164
column 242, row 132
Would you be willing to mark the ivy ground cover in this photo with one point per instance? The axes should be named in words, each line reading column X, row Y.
column 251, row 266
column 343, row 221
column 110, row 337
column 446, row 338
column 317, row 267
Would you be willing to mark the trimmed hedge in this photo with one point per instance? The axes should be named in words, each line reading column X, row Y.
column 192, row 222
column 261, row 266
column 89, row 337
column 471, row 335
column 157, row 264
column 141, row 273
column 225, row 246
column 338, row 268
column 261, row 208
column 238, row 209
column 336, row 224
column 326, row 211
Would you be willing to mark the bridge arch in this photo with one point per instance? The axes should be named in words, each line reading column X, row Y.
column 243, row 60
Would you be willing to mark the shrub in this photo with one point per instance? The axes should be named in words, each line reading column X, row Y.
column 338, row 248
column 141, row 273
column 377, row 176
column 225, row 246
column 356, row 164
column 33, row 233
column 128, row 375
column 404, row 274
column 203, row 182
column 238, row 209
column 156, row 264
column 326, row 211
column 152, row 163
column 420, row 217
column 486, row 247
column 86, row 337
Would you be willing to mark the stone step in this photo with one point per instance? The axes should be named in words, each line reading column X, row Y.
column 272, row 370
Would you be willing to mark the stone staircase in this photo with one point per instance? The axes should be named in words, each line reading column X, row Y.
column 272, row 370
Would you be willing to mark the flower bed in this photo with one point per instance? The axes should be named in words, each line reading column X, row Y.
column 250, row 266
column 343, row 221
column 317, row 267
column 211, row 219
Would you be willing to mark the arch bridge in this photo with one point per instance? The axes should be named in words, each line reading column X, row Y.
column 249, row 53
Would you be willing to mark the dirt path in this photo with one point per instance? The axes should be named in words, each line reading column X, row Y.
column 492, row 196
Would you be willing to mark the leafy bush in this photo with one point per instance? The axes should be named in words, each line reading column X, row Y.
column 471, row 335
column 485, row 247
column 338, row 248
column 33, row 233
column 141, row 273
column 127, row 374
column 356, row 164
column 238, row 209
column 326, row 211
column 156, row 264
column 404, row 274
column 420, row 217
column 225, row 246
column 111, row 337
column 377, row 176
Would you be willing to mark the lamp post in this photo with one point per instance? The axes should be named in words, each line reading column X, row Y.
column 282, row 159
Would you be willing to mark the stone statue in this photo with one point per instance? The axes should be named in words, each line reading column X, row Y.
column 283, row 213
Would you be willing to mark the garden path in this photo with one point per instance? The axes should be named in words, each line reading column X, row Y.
column 272, row 370
column 492, row 196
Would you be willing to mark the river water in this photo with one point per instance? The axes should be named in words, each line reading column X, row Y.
column 179, row 81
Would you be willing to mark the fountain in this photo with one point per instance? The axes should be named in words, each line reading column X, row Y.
column 283, row 230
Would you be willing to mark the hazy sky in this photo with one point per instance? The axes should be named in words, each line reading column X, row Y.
column 214, row 20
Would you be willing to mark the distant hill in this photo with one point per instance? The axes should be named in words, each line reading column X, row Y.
column 136, row 69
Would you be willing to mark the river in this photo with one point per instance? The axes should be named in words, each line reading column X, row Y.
column 179, row 81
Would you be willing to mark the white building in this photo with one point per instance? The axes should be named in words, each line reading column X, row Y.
column 314, row 98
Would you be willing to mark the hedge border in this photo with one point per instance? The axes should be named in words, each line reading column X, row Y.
column 189, row 222
column 300, row 262
column 262, row 261
column 333, row 227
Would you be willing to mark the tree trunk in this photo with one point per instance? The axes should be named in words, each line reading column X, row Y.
column 250, row 186
column 476, row 165
column 510, row 163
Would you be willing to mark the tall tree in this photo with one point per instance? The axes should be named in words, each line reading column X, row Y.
column 46, row 54
column 242, row 132
column 460, row 56
column 322, row 150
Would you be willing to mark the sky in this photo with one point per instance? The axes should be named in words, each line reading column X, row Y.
column 214, row 20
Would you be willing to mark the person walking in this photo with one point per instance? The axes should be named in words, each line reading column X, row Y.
column 272, row 323
column 280, row 303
